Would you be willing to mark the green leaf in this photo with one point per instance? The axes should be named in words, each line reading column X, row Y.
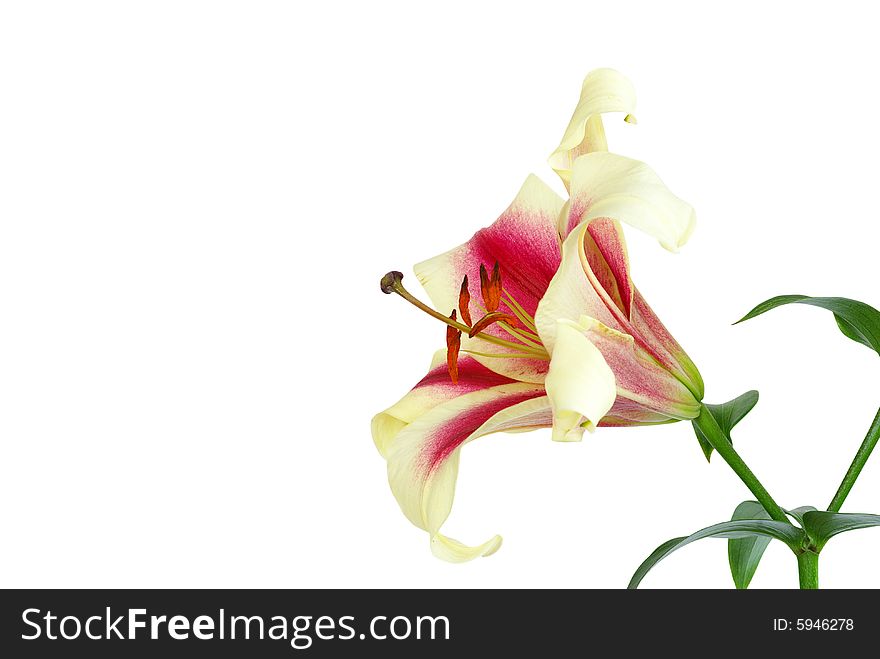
column 857, row 320
column 727, row 415
column 705, row 446
column 821, row 526
column 798, row 513
column 744, row 528
column 744, row 554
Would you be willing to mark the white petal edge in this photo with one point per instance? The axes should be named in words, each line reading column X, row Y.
column 580, row 384
column 609, row 185
column 603, row 90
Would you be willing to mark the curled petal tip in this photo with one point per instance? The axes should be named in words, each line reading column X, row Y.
column 630, row 119
column 390, row 281
column 453, row 551
column 568, row 435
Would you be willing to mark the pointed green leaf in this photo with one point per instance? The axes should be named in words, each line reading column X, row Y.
column 705, row 446
column 727, row 415
column 744, row 528
column 798, row 513
column 847, row 328
column 821, row 526
column 744, row 554
column 857, row 320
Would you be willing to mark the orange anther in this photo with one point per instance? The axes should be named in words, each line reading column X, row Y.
column 491, row 288
column 453, row 345
column 464, row 302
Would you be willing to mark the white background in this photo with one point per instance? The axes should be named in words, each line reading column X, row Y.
column 198, row 200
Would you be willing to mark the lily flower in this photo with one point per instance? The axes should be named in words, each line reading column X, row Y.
column 560, row 337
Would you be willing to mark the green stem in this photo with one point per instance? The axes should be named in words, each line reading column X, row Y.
column 858, row 462
column 716, row 437
column 808, row 570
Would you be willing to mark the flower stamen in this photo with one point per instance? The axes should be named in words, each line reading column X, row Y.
column 524, row 317
column 488, row 319
column 464, row 302
column 502, row 355
column 491, row 288
column 526, row 337
column 453, row 345
column 524, row 347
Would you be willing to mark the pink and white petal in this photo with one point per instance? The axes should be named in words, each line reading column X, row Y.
column 574, row 292
column 627, row 413
column 639, row 377
column 423, row 457
column 664, row 346
column 605, row 249
column 580, row 384
column 609, row 185
column 603, row 90
column 432, row 390
column 581, row 288
column 524, row 241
